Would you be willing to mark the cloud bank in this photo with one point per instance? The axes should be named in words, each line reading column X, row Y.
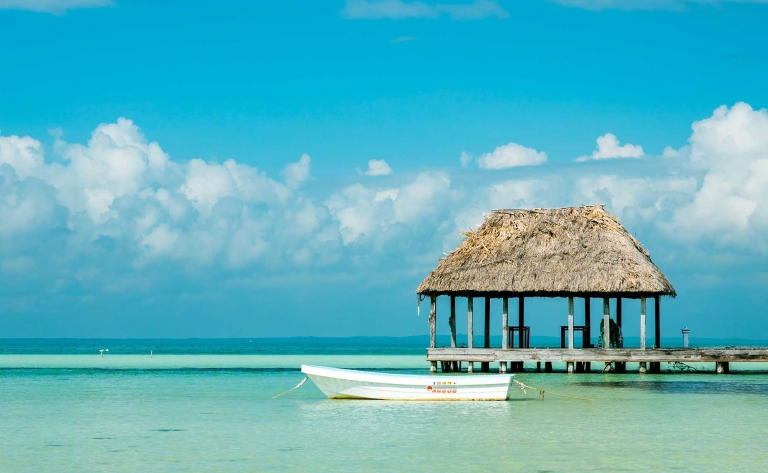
column 119, row 214
column 57, row 7
column 401, row 10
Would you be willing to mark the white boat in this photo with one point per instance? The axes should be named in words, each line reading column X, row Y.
column 339, row 383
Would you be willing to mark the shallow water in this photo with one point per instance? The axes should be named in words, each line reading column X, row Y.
column 215, row 413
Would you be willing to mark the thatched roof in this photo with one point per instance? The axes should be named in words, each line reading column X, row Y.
column 582, row 251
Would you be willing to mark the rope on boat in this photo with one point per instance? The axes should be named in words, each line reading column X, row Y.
column 524, row 386
column 295, row 387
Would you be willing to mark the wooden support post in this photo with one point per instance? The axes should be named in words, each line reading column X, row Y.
column 587, row 342
column 433, row 329
column 504, row 331
column 521, row 322
column 621, row 367
column 606, row 329
column 606, row 323
column 656, row 367
column 570, row 324
column 485, row 366
column 470, row 331
column 642, row 323
column 521, row 329
column 547, row 366
column 470, row 323
column 452, row 321
column 657, row 313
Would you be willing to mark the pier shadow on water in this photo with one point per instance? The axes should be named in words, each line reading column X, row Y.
column 683, row 387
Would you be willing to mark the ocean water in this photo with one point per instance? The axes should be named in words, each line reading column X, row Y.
column 214, row 412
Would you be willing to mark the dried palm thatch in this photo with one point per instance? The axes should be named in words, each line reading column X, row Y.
column 581, row 251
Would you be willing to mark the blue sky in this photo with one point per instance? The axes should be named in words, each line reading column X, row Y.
column 193, row 169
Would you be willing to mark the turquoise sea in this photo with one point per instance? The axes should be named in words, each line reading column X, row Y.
column 196, row 406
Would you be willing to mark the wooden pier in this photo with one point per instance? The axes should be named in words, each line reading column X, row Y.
column 452, row 357
column 576, row 252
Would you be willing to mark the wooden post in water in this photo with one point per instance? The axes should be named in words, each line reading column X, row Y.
column 643, row 368
column 570, row 332
column 504, row 331
column 433, row 329
column 470, row 331
column 588, row 333
column 485, row 367
column 606, row 329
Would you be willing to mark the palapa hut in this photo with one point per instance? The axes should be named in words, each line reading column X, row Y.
column 566, row 252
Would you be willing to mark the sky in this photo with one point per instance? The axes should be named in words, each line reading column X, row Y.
column 273, row 169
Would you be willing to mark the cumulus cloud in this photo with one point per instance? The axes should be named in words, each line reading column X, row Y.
column 671, row 5
column 465, row 159
column 297, row 173
column 400, row 9
column 731, row 204
column 56, row 7
column 509, row 156
column 378, row 167
column 118, row 204
column 24, row 154
column 121, row 193
column 608, row 147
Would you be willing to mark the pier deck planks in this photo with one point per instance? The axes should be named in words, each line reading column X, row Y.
column 599, row 354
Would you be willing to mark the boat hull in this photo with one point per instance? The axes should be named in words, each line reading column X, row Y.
column 339, row 383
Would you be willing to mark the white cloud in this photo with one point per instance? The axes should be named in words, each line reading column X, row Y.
column 731, row 204
column 400, row 9
column 119, row 204
column 465, row 158
column 297, row 173
column 24, row 154
column 673, row 5
column 509, row 156
column 608, row 147
column 378, row 167
column 56, row 7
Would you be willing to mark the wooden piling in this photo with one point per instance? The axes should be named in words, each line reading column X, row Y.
column 722, row 367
